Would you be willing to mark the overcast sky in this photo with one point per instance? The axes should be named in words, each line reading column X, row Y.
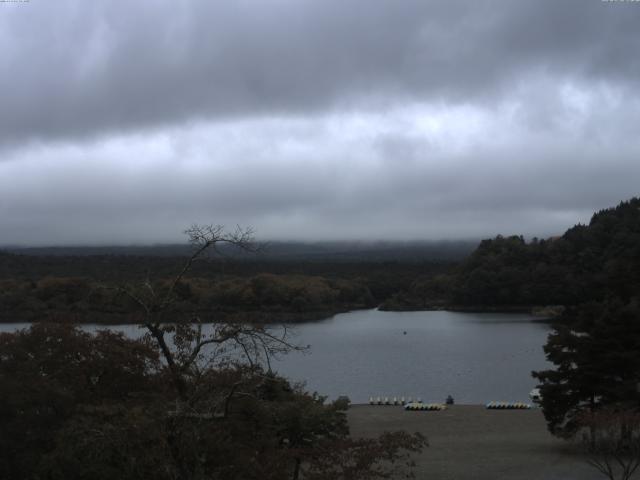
column 126, row 122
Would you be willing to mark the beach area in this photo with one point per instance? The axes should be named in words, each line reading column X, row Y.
column 472, row 442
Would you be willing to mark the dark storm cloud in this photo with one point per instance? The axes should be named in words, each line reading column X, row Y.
column 78, row 68
column 363, row 119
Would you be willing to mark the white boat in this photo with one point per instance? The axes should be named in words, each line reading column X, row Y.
column 535, row 395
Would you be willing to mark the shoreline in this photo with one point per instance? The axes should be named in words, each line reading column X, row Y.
column 540, row 314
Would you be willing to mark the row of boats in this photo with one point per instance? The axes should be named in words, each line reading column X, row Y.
column 417, row 404
column 392, row 400
column 425, row 406
column 508, row 406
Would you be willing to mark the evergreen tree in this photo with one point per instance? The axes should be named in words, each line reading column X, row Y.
column 596, row 351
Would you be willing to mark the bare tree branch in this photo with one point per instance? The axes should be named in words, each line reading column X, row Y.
column 611, row 441
column 187, row 344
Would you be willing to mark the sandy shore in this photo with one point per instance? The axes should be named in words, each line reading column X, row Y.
column 471, row 442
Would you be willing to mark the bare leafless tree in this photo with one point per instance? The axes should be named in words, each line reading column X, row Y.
column 611, row 440
column 185, row 346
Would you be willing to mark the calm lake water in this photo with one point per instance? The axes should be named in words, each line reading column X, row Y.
column 475, row 357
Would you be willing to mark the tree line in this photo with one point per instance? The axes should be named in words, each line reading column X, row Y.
column 587, row 263
column 61, row 288
column 264, row 297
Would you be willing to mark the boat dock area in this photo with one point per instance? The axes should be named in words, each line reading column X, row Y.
column 475, row 443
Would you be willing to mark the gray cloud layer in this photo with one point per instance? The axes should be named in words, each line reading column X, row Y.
column 85, row 67
column 333, row 119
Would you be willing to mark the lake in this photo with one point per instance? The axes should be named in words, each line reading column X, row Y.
column 475, row 357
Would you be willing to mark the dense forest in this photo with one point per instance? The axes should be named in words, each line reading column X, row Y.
column 84, row 288
column 587, row 263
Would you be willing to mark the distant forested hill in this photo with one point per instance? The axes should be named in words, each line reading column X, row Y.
column 80, row 287
column 287, row 281
column 373, row 251
column 587, row 263
column 508, row 271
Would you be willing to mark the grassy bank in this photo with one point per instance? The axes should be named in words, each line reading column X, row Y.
column 471, row 442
